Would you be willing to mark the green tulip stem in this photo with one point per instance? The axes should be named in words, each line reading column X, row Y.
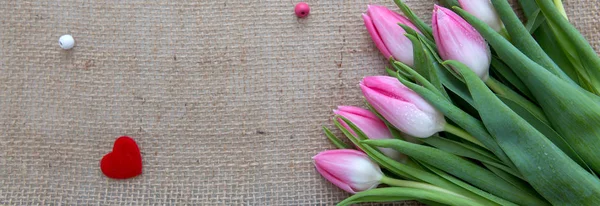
column 561, row 8
column 462, row 134
column 494, row 85
column 504, row 33
column 417, row 185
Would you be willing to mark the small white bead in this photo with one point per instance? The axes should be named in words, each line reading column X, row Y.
column 66, row 41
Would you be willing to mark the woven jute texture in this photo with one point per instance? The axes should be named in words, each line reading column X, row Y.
column 224, row 98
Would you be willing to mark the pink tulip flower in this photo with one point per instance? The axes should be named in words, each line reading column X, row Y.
column 382, row 25
column 483, row 10
column 369, row 124
column 458, row 40
column 402, row 107
column 348, row 169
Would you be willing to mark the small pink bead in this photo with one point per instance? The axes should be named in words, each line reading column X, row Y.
column 302, row 9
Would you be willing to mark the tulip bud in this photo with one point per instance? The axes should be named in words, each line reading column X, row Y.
column 483, row 10
column 348, row 169
column 382, row 25
column 458, row 40
column 369, row 124
column 402, row 107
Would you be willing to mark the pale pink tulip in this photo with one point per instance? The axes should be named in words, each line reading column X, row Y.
column 483, row 10
column 369, row 124
column 382, row 25
column 457, row 40
column 402, row 107
column 348, row 169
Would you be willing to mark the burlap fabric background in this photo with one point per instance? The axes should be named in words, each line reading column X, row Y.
column 225, row 98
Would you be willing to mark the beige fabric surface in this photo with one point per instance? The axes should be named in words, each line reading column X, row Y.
column 224, row 98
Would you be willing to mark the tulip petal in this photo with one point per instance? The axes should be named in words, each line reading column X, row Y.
column 457, row 40
column 358, row 111
column 375, row 36
column 365, row 120
column 402, row 107
column 403, row 20
column 391, row 33
column 348, row 169
column 369, row 124
column 404, row 116
column 334, row 180
column 484, row 10
column 391, row 86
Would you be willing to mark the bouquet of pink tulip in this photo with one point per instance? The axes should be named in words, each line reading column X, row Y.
column 458, row 122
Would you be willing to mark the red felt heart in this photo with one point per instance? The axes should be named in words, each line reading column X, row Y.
column 125, row 161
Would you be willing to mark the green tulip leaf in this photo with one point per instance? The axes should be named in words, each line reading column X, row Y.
column 546, row 39
column 461, row 149
column 461, row 168
column 449, row 3
column 571, row 111
column 403, row 193
column 493, row 198
column 410, row 31
column 446, row 77
column 425, row 63
column 397, row 68
column 535, row 21
column 461, row 118
column 577, row 49
column 420, row 24
column 465, row 150
column 522, row 39
column 529, row 7
column 550, row 171
column 507, row 93
column 418, row 78
column 543, row 127
column 510, row 178
column 504, row 71
column 402, row 170
column 421, row 63
column 334, row 140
